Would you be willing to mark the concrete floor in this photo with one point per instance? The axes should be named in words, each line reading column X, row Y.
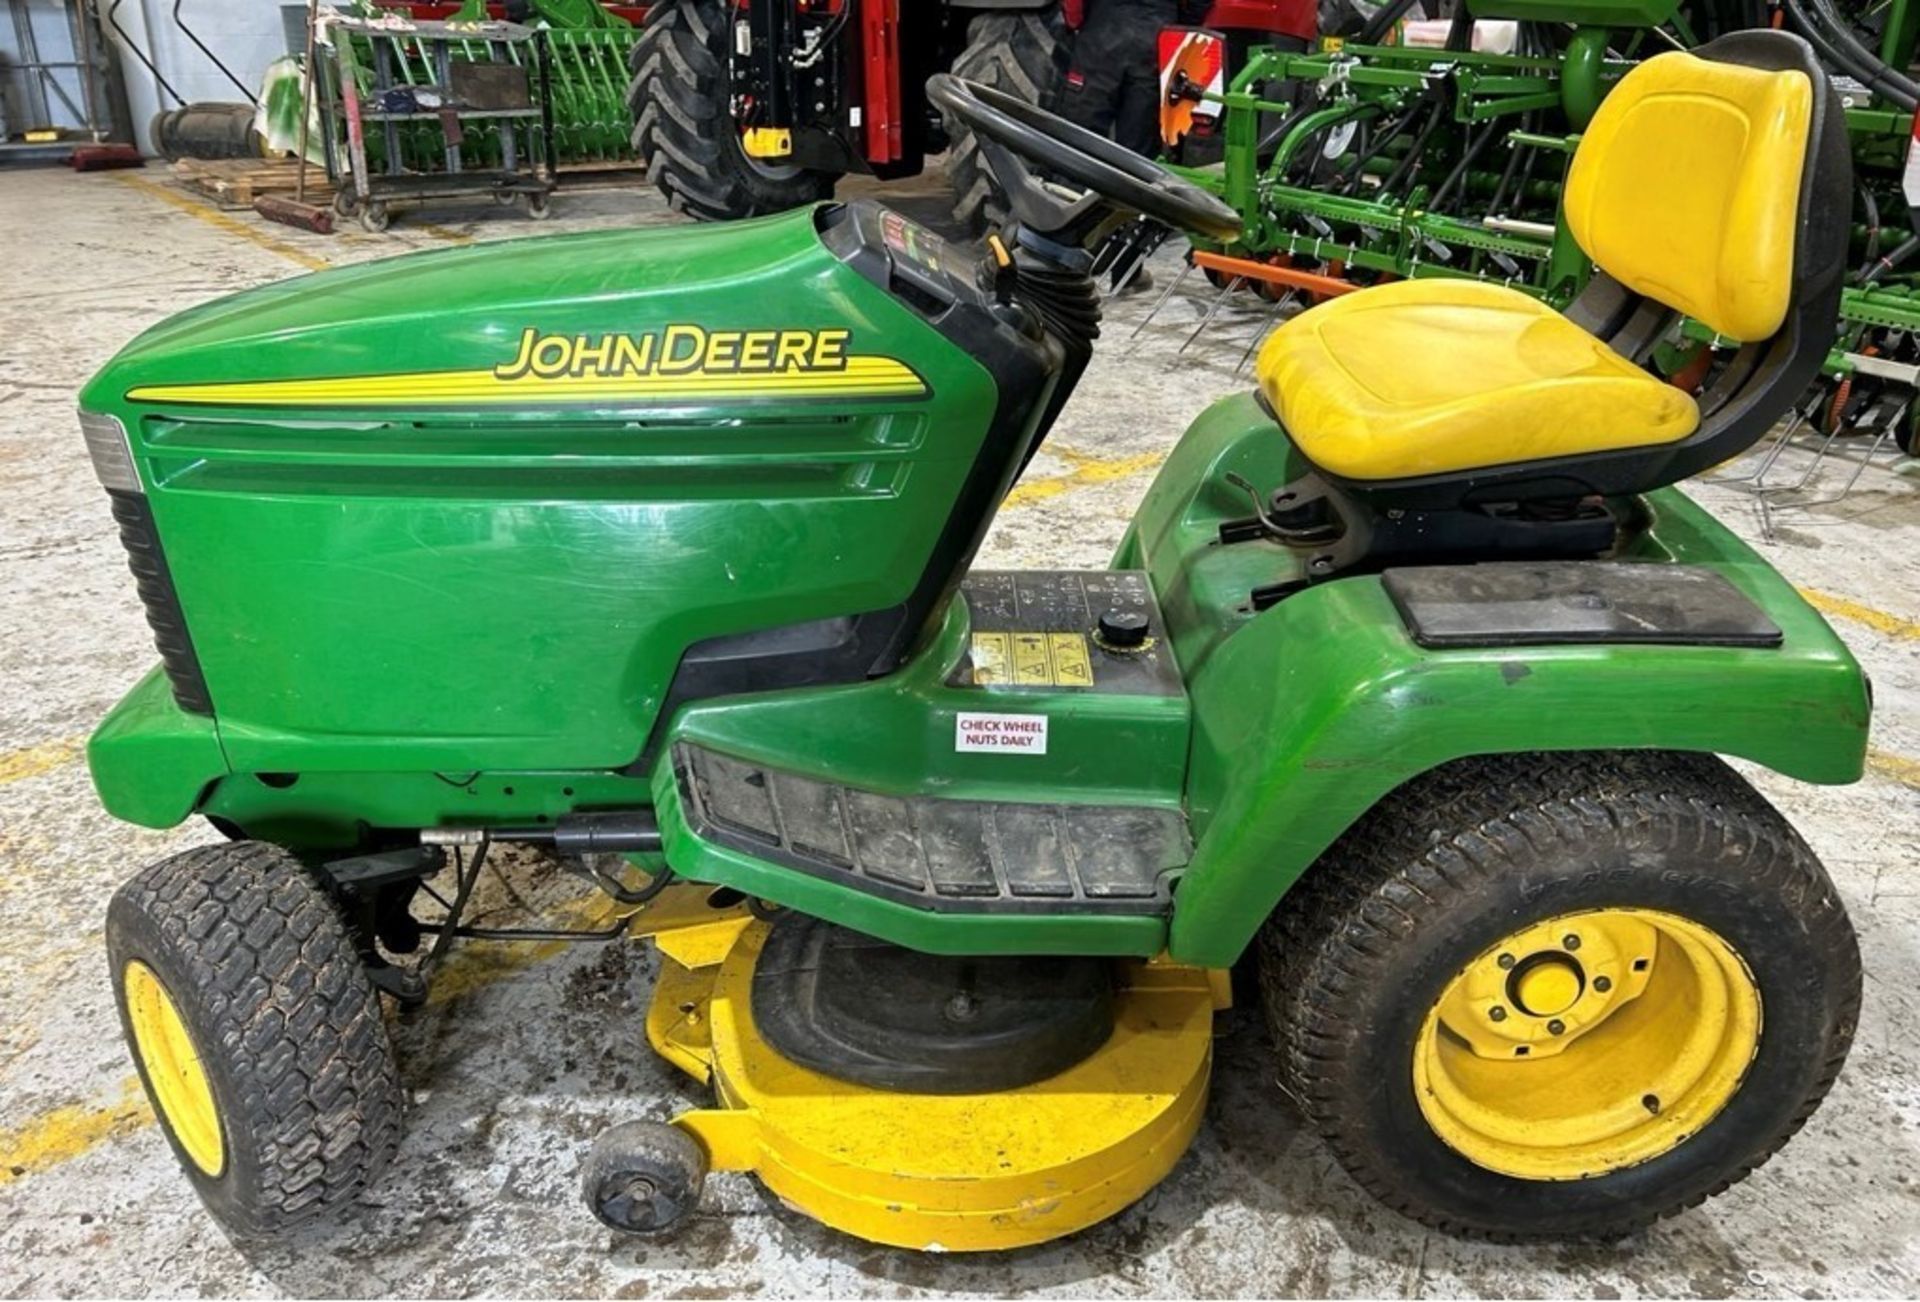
column 529, row 1050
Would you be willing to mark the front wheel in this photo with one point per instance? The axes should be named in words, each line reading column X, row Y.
column 683, row 125
column 1561, row 996
column 256, row 1033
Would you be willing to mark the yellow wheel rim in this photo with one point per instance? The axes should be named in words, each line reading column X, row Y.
column 1587, row 1043
column 181, row 1093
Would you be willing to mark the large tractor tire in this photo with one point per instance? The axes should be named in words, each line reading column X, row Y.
column 683, row 125
column 1023, row 54
column 1561, row 996
column 256, row 1033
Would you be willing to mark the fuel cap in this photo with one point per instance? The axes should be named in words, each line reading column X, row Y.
column 1123, row 630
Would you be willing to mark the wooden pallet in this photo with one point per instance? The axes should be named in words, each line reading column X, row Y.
column 234, row 183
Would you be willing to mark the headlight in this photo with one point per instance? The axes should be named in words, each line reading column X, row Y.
column 112, row 458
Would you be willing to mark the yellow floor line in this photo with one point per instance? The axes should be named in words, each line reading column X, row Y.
column 65, row 1133
column 1879, row 621
column 444, row 233
column 1901, row 768
column 31, row 762
column 221, row 221
column 1087, row 471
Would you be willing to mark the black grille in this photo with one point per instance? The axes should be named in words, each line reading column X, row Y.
column 155, row 583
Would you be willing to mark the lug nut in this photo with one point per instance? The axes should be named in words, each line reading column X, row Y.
column 1570, row 942
column 1557, row 1026
column 1506, row 960
column 1602, row 984
column 1651, row 1102
column 1497, row 1013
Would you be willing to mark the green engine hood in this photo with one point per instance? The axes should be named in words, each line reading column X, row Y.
column 466, row 510
column 579, row 320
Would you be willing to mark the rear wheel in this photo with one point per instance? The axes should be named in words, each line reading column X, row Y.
column 683, row 124
column 256, row 1033
column 1024, row 55
column 1561, row 996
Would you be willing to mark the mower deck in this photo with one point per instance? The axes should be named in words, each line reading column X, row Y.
column 953, row 1172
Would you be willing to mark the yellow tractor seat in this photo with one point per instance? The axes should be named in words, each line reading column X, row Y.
column 1423, row 377
column 1447, row 421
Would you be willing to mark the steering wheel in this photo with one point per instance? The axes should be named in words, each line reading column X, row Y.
column 1099, row 165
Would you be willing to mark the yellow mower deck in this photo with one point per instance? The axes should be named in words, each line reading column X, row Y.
column 959, row 1173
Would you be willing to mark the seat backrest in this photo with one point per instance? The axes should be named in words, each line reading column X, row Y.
column 1686, row 188
column 1717, row 185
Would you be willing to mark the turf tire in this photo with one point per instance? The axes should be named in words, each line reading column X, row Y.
column 284, row 1020
column 1463, row 856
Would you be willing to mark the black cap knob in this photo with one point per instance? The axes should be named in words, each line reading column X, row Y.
column 1123, row 629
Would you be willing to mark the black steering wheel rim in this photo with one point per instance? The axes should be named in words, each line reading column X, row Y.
column 1092, row 161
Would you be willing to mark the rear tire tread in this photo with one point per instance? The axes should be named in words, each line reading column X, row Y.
column 1383, row 878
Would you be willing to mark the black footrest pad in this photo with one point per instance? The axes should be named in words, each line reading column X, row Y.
column 965, row 856
column 1518, row 603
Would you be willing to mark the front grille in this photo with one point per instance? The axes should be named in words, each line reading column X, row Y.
column 155, row 583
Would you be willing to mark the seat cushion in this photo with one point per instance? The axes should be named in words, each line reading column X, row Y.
column 1426, row 377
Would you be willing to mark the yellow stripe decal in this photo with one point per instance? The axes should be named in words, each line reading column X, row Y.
column 862, row 377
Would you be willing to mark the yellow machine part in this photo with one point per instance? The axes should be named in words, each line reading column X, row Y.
column 766, row 142
column 181, row 1091
column 958, row 1173
column 1587, row 1043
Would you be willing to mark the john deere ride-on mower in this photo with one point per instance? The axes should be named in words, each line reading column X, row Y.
column 1406, row 686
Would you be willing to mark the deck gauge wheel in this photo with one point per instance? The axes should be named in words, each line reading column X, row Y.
column 644, row 1177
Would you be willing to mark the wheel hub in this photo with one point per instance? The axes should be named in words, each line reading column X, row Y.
column 1587, row 1042
column 1546, row 985
column 181, row 1091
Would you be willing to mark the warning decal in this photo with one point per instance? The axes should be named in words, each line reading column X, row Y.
column 1031, row 659
column 1012, row 734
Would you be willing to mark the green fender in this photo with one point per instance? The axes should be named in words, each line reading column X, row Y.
column 1306, row 715
column 151, row 760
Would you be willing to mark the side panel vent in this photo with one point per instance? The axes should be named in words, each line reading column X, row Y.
column 155, row 583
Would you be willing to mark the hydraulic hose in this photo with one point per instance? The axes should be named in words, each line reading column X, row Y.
column 1872, row 207
column 1841, row 50
column 1459, row 172
column 1842, row 36
column 1410, row 165
column 1891, row 261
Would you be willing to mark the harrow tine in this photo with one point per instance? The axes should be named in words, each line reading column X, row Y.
column 1859, row 468
column 1133, row 274
column 1751, row 482
column 1161, row 302
column 1266, row 328
column 1219, row 301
